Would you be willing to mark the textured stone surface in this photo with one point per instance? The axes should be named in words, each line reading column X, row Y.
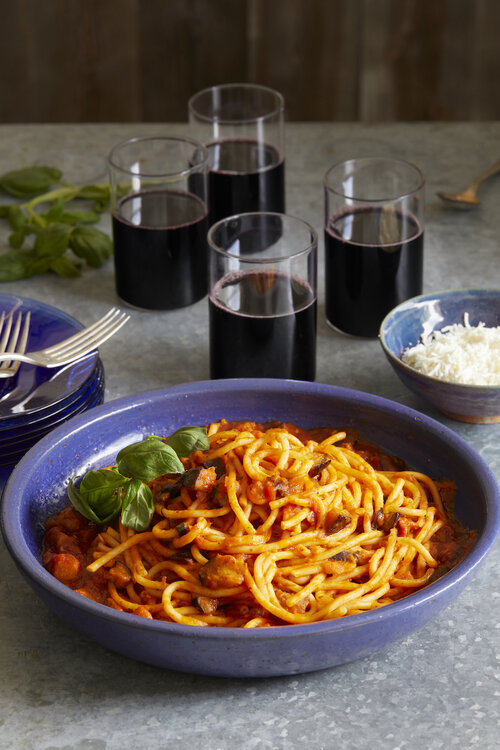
column 437, row 689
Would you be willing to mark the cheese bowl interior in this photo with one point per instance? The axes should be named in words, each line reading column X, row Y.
column 403, row 327
column 37, row 489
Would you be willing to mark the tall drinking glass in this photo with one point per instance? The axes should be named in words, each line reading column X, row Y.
column 158, row 189
column 242, row 127
column 262, row 297
column 374, row 241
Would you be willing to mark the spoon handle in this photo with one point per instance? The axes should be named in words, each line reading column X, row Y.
column 489, row 173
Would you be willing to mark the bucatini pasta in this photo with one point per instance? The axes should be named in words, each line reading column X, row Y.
column 271, row 525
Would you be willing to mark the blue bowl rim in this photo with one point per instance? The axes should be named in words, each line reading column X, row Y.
column 40, row 577
column 408, row 304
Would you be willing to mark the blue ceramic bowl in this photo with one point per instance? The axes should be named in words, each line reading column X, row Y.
column 36, row 489
column 402, row 328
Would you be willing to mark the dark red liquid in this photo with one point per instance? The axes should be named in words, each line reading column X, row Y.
column 245, row 176
column 262, row 325
column 160, row 249
column 373, row 261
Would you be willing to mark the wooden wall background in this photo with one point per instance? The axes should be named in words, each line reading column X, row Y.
column 342, row 60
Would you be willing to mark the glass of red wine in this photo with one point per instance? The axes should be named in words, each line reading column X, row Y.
column 374, row 241
column 241, row 125
column 262, row 297
column 159, row 210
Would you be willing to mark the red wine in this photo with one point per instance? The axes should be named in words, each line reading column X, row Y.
column 160, row 249
column 262, row 324
column 373, row 261
column 245, row 176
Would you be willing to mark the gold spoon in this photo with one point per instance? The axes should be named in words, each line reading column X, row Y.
column 468, row 199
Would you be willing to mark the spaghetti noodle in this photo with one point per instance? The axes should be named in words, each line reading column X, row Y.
column 271, row 525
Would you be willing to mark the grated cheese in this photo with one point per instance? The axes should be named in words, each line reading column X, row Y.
column 459, row 353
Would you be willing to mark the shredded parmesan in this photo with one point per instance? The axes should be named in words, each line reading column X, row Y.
column 459, row 353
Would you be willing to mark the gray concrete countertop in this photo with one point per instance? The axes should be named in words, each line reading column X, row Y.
column 439, row 687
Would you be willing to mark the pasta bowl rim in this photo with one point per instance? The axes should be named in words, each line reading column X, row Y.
column 23, row 481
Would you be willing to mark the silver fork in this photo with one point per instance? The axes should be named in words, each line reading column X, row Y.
column 71, row 349
column 10, row 343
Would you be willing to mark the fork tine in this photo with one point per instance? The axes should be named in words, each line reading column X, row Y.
column 71, row 350
column 9, row 343
column 6, row 331
column 90, row 345
column 90, row 340
column 25, row 333
column 93, row 338
column 75, row 341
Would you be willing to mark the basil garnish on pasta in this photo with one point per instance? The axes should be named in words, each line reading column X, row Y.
column 148, row 459
column 103, row 494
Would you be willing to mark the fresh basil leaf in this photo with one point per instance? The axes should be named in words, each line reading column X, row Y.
column 94, row 192
column 91, row 244
column 53, row 240
column 21, row 264
column 34, row 265
column 137, row 505
column 188, row 439
column 65, row 267
column 82, row 217
column 98, row 489
column 16, row 239
column 97, row 483
column 14, row 264
column 55, row 211
column 17, row 217
column 147, row 460
column 29, row 181
column 80, row 504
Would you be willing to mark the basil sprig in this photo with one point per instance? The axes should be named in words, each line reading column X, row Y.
column 54, row 218
column 103, row 494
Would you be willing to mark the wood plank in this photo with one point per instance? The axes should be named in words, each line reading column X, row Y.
column 304, row 49
column 186, row 45
column 485, row 50
column 335, row 60
column 64, row 62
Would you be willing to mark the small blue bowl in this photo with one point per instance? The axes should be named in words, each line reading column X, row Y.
column 404, row 325
column 37, row 489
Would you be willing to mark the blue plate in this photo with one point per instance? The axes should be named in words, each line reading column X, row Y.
column 34, row 389
column 11, row 438
column 13, row 429
column 11, row 454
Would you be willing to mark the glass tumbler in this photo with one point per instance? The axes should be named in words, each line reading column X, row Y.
column 374, row 241
column 158, row 189
column 241, row 125
column 262, row 297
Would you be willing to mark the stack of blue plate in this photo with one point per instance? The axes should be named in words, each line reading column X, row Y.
column 36, row 399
